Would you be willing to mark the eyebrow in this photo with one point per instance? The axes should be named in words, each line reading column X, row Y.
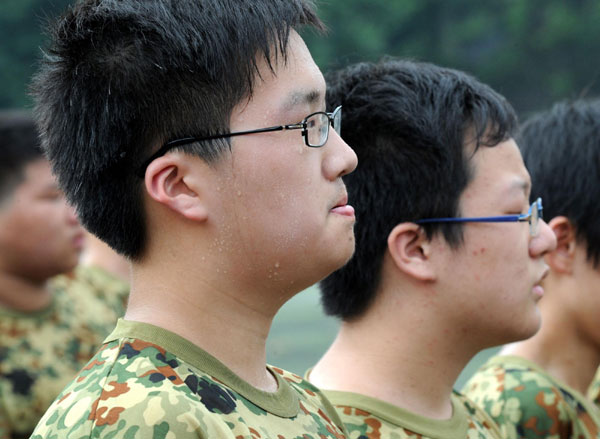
column 523, row 185
column 51, row 187
column 302, row 97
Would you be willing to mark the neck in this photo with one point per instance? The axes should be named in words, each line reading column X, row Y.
column 99, row 254
column 229, row 321
column 23, row 295
column 417, row 360
column 561, row 350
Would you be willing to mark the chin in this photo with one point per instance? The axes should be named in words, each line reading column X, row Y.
column 524, row 332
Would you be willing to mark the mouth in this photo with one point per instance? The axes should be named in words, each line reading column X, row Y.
column 538, row 290
column 343, row 208
column 78, row 240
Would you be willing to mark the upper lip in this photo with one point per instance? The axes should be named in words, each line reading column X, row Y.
column 78, row 235
column 342, row 201
column 544, row 274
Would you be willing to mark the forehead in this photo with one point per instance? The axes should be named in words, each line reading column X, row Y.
column 287, row 84
column 37, row 177
column 498, row 173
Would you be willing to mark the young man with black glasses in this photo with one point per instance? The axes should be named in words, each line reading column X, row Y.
column 535, row 388
column 191, row 136
column 449, row 249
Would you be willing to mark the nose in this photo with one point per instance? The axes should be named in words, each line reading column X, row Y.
column 544, row 242
column 70, row 214
column 340, row 159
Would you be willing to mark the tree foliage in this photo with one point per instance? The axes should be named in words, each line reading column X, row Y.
column 21, row 22
column 535, row 51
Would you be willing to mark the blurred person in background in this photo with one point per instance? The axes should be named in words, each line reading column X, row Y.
column 593, row 391
column 449, row 250
column 107, row 271
column 98, row 254
column 49, row 326
column 536, row 388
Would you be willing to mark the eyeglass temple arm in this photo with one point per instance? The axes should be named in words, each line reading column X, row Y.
column 484, row 219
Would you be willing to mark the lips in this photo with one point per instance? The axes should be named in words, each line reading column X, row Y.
column 537, row 289
column 343, row 208
column 79, row 240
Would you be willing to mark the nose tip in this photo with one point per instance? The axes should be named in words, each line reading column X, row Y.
column 71, row 214
column 544, row 242
column 351, row 157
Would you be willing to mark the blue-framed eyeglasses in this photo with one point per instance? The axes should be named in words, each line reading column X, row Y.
column 315, row 130
column 533, row 217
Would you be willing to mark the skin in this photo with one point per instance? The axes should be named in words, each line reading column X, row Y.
column 234, row 240
column 437, row 306
column 40, row 237
column 98, row 254
column 568, row 343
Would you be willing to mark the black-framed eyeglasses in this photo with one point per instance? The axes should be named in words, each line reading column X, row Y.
column 315, row 130
column 533, row 217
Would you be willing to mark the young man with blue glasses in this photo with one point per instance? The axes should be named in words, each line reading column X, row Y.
column 192, row 138
column 535, row 388
column 449, row 250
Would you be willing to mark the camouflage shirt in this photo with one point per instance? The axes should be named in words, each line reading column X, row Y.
column 529, row 403
column 146, row 382
column 593, row 392
column 41, row 352
column 109, row 289
column 370, row 418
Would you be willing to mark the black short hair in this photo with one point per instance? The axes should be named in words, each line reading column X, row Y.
column 122, row 76
column 561, row 149
column 19, row 146
column 408, row 123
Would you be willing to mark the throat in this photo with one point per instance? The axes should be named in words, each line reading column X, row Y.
column 23, row 295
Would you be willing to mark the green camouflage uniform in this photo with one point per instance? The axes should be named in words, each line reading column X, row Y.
column 370, row 418
column 111, row 290
column 529, row 403
column 594, row 390
column 146, row 382
column 41, row 352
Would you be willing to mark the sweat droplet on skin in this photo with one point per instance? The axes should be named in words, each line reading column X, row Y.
column 276, row 264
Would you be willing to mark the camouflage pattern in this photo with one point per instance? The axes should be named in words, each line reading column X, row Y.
column 529, row 403
column 370, row 418
column 41, row 352
column 593, row 392
column 146, row 382
column 109, row 289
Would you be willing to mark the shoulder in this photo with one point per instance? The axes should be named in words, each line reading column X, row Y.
column 480, row 423
column 131, row 388
column 506, row 379
column 313, row 401
column 523, row 400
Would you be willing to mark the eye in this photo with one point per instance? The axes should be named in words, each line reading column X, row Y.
column 52, row 196
column 311, row 123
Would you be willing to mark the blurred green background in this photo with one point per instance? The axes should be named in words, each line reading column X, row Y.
column 535, row 52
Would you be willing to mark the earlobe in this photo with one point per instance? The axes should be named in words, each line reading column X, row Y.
column 169, row 182
column 411, row 251
column 561, row 259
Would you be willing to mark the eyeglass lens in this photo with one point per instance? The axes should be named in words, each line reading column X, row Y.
column 534, row 221
column 317, row 128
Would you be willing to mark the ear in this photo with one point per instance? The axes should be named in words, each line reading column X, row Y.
column 561, row 259
column 172, row 181
column 411, row 251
